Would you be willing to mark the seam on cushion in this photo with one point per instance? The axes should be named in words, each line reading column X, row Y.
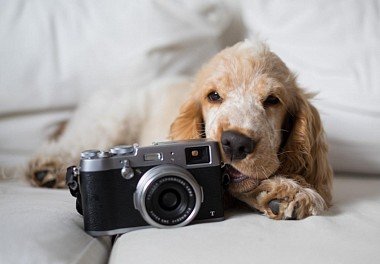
column 8, row 115
column 104, row 243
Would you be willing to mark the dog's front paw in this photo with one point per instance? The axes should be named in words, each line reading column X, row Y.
column 47, row 172
column 286, row 199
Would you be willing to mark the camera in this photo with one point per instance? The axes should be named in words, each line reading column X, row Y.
column 167, row 184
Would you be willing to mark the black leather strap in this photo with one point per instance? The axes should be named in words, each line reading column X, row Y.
column 72, row 183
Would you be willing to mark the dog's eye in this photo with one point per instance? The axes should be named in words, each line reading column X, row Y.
column 214, row 97
column 270, row 101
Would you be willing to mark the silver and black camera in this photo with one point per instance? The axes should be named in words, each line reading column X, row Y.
column 167, row 184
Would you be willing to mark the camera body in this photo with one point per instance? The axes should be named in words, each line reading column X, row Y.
column 167, row 184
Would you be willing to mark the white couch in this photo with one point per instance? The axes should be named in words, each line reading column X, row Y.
column 53, row 54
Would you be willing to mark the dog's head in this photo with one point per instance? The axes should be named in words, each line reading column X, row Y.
column 248, row 100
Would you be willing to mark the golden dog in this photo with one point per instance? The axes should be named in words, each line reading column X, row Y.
column 271, row 137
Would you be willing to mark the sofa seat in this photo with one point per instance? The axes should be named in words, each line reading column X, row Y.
column 42, row 226
column 348, row 233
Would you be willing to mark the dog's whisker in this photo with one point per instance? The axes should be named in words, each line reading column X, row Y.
column 281, row 130
column 265, row 172
column 202, row 132
column 256, row 173
column 285, row 152
column 214, row 119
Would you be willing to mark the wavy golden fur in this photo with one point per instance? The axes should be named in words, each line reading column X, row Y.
column 247, row 90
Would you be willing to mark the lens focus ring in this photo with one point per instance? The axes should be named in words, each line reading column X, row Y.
column 168, row 196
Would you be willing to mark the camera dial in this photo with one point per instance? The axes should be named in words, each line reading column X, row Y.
column 89, row 154
column 123, row 149
column 126, row 170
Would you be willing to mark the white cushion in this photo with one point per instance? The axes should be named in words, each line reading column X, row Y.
column 21, row 134
column 42, row 226
column 65, row 49
column 55, row 54
column 334, row 46
column 348, row 233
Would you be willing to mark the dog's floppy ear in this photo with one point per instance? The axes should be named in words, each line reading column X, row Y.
column 189, row 123
column 305, row 150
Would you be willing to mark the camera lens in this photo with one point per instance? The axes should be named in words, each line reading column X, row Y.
column 169, row 200
column 168, row 195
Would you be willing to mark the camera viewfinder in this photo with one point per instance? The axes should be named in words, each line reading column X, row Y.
column 197, row 155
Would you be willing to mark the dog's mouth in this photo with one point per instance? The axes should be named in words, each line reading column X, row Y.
column 235, row 175
column 239, row 183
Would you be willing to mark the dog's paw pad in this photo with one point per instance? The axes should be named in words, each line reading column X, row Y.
column 289, row 212
column 274, row 206
column 49, row 184
column 46, row 173
column 40, row 175
column 45, row 178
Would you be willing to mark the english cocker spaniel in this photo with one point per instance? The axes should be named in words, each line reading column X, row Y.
column 271, row 137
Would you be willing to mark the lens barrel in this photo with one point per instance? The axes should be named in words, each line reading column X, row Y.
column 168, row 196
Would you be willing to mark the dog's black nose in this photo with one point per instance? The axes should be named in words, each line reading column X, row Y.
column 236, row 145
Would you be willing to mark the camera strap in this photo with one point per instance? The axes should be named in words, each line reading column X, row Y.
column 72, row 178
